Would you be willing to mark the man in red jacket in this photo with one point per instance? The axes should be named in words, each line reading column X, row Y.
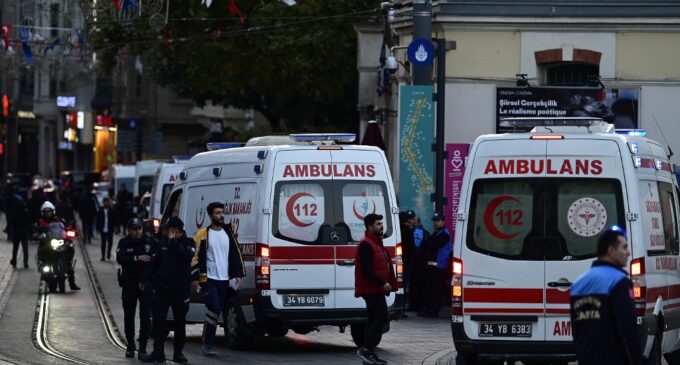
column 374, row 279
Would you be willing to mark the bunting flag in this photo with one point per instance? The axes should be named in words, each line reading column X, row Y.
column 117, row 4
column 289, row 2
column 51, row 46
column 81, row 38
column 233, row 10
column 207, row 3
column 25, row 37
column 6, row 30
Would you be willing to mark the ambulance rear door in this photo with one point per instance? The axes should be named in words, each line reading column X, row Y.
column 361, row 186
column 302, row 261
column 503, row 275
column 583, row 197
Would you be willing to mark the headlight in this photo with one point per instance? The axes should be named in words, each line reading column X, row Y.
column 46, row 269
column 55, row 243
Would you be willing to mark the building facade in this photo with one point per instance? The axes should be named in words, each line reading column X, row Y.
column 616, row 59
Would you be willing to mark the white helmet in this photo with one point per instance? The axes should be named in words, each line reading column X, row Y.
column 47, row 205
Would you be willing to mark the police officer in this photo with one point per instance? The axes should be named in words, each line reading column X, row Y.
column 170, row 273
column 134, row 253
column 438, row 262
column 602, row 308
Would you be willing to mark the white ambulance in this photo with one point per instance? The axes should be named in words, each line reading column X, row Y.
column 165, row 178
column 298, row 212
column 532, row 207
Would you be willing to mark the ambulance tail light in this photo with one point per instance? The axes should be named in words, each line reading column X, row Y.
column 400, row 263
column 457, row 288
column 546, row 137
column 637, row 276
column 262, row 267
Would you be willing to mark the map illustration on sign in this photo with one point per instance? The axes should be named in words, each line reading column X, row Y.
column 416, row 165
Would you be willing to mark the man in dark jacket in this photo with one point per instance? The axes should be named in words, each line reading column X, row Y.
column 106, row 223
column 438, row 248
column 133, row 254
column 87, row 209
column 170, row 273
column 602, row 308
column 218, row 268
column 64, row 208
column 21, row 229
column 374, row 279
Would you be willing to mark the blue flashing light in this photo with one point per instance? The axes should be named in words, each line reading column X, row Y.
column 616, row 228
column 632, row 132
column 214, row 146
column 320, row 137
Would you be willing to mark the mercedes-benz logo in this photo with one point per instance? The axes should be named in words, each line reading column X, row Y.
column 334, row 236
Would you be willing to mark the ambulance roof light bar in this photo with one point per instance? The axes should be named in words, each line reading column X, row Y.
column 323, row 137
column 214, row 146
column 632, row 132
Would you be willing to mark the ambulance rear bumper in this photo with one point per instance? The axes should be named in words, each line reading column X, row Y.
column 499, row 350
column 265, row 312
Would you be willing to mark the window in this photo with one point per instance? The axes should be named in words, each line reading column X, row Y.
column 664, row 233
column 542, row 219
column 174, row 205
column 570, row 74
column 145, row 184
column 328, row 212
column 167, row 188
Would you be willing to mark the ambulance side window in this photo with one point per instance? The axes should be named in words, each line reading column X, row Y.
column 174, row 205
column 300, row 210
column 669, row 214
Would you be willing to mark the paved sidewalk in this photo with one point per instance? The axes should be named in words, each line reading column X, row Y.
column 7, row 272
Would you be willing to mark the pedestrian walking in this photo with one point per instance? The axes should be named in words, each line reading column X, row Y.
column 218, row 268
column 10, row 200
column 123, row 207
column 170, row 274
column 134, row 255
column 21, row 226
column 374, row 279
column 438, row 248
column 602, row 308
column 87, row 210
column 106, row 223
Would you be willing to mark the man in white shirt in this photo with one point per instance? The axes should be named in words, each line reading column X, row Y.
column 218, row 260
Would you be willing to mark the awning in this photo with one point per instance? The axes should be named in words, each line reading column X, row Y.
column 373, row 137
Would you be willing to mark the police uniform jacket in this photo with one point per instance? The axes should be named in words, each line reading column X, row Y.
column 603, row 317
column 171, row 265
column 199, row 270
column 126, row 255
column 439, row 249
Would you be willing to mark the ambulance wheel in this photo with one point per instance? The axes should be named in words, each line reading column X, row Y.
column 673, row 358
column 358, row 331
column 466, row 358
column 655, row 355
column 235, row 327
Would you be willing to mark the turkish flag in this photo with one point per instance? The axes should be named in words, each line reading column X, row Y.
column 233, row 10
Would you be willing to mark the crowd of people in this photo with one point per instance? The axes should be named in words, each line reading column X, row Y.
column 23, row 212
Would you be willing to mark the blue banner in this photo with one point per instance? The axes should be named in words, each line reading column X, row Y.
column 416, row 165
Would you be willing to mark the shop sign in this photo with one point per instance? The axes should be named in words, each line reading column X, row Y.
column 66, row 101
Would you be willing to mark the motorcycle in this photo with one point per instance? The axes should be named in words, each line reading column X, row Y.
column 55, row 256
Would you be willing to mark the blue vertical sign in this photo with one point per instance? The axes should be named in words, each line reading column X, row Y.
column 416, row 165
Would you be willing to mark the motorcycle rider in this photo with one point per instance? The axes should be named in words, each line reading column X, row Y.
column 47, row 217
column 134, row 254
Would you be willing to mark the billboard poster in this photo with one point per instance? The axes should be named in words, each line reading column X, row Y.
column 455, row 171
column 617, row 106
column 416, row 164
